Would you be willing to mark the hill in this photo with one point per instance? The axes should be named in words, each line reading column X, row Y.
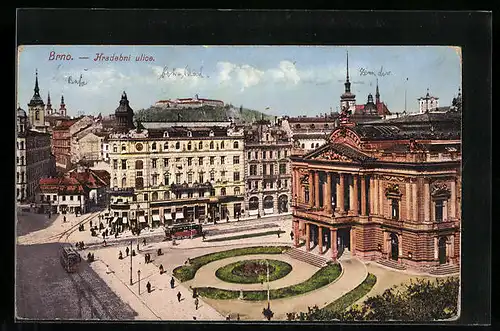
column 205, row 113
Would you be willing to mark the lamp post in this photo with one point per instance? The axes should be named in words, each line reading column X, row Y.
column 139, row 280
column 131, row 282
column 267, row 312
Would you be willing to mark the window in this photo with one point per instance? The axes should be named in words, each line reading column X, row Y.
column 200, row 145
column 253, row 170
column 124, row 148
column 271, row 184
column 237, row 190
column 264, row 169
column 221, row 145
column 285, row 183
column 190, row 194
column 438, row 213
column 317, row 145
column 167, row 179
column 236, row 160
column 177, row 179
column 190, row 161
column 212, row 176
column 312, row 145
column 22, row 145
column 282, row 168
column 303, row 146
column 139, row 183
column 153, row 163
column 115, row 148
column 189, row 146
column 177, row 159
column 153, row 146
column 37, row 115
column 115, row 164
column 395, row 209
column 138, row 164
column 200, row 161
column 63, row 198
column 212, row 158
column 138, row 174
column 54, row 197
column 223, row 175
column 253, row 203
column 165, row 146
column 270, row 154
column 222, row 160
column 71, row 197
column 165, row 163
column 201, row 178
column 189, row 134
column 177, row 145
column 166, row 195
column 22, row 160
column 264, row 155
column 154, row 180
column 249, row 155
column 271, row 169
column 235, row 145
column 154, row 196
column 286, row 153
column 256, row 155
column 223, row 191
column 17, row 160
column 236, row 176
column 190, row 178
column 124, row 182
column 124, row 164
column 279, row 154
column 18, row 177
column 211, row 145
column 145, row 197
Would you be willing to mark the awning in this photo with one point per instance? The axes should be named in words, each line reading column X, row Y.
column 168, row 216
column 124, row 221
column 156, row 218
column 114, row 220
column 179, row 216
column 142, row 219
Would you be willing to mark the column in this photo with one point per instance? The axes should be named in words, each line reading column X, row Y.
column 311, row 189
column 351, row 194
column 375, row 197
column 355, row 203
column 400, row 248
column 296, row 233
column 340, row 193
column 436, row 255
column 384, row 243
column 320, row 239
column 408, row 201
column 445, row 210
column 363, row 195
column 333, row 238
column 414, row 200
column 308, row 237
column 316, row 189
column 372, row 189
column 452, row 249
column 353, row 240
column 328, row 194
column 426, row 202
column 381, row 197
column 453, row 200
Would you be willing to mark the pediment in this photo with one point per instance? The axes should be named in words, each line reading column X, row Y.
column 332, row 155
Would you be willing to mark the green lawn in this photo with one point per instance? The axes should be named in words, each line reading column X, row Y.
column 351, row 297
column 187, row 272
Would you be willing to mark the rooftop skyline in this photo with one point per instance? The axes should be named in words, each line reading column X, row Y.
column 288, row 80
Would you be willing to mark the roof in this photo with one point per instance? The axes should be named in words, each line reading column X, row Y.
column 20, row 112
column 89, row 179
column 66, row 124
column 61, row 185
column 343, row 149
column 319, row 119
column 188, row 124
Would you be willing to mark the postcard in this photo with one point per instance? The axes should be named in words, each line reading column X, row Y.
column 238, row 183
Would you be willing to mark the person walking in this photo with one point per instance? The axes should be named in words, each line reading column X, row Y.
column 161, row 269
column 64, row 219
column 148, row 286
column 144, row 242
column 172, row 282
column 291, row 235
column 179, row 296
column 146, row 258
column 127, row 251
column 120, row 256
column 196, row 303
column 279, row 233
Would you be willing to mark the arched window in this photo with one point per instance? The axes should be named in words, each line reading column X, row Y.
column 235, row 145
column 37, row 115
column 166, row 195
column 312, row 126
column 154, row 196
column 189, row 134
column 153, row 146
column 236, row 190
column 115, row 148
column 124, row 182
column 223, row 191
column 138, row 164
column 317, row 145
column 177, row 145
column 297, row 126
column 165, row 146
column 253, row 203
column 303, row 146
column 189, row 145
column 165, row 134
column 211, row 134
column 268, row 202
column 222, row 145
column 211, row 145
column 312, row 145
column 115, row 182
column 167, row 179
column 139, row 183
column 200, row 145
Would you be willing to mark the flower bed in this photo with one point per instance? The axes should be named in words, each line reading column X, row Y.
column 253, row 271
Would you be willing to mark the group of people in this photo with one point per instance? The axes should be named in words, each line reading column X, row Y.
column 80, row 245
column 147, row 258
column 90, row 257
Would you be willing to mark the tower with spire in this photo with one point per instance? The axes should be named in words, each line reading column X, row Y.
column 348, row 99
column 124, row 115
column 36, row 108
column 377, row 95
column 62, row 107
column 48, row 109
column 428, row 103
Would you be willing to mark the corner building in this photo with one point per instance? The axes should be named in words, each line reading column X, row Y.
column 176, row 174
column 387, row 191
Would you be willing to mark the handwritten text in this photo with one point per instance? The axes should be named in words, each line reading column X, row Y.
column 380, row 73
column 187, row 72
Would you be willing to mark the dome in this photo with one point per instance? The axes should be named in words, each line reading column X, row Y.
column 21, row 112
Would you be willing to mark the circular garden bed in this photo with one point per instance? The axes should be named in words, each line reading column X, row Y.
column 253, row 271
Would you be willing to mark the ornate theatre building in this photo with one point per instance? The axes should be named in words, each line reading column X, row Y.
column 387, row 190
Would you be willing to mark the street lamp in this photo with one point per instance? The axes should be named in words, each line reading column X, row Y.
column 131, row 282
column 267, row 312
column 139, row 280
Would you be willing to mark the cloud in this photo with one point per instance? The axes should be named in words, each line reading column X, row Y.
column 244, row 76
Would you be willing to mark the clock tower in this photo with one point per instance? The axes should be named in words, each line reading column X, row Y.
column 348, row 99
column 36, row 108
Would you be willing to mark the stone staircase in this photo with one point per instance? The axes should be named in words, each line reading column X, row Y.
column 307, row 257
column 391, row 264
column 445, row 269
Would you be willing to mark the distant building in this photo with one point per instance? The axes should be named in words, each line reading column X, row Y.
column 428, row 103
column 189, row 103
column 63, row 195
column 348, row 99
column 370, row 110
column 124, row 115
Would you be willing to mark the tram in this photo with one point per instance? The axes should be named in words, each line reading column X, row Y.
column 70, row 259
column 179, row 231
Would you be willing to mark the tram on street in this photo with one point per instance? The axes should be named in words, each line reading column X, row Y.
column 180, row 231
column 70, row 259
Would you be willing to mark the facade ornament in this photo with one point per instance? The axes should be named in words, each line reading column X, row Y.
column 333, row 156
column 392, row 189
column 439, row 188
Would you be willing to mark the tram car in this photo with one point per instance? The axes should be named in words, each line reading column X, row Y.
column 180, row 231
column 70, row 259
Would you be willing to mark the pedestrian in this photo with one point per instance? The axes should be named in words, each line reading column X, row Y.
column 196, row 303
column 203, row 235
column 279, row 233
column 148, row 286
column 179, row 296
column 64, row 219
column 238, row 316
column 93, row 258
column 227, row 218
column 161, row 269
column 120, row 255
column 104, row 242
column 291, row 235
column 133, row 252
column 116, row 235
column 172, row 282
column 146, row 258
column 228, row 318
column 194, row 317
column 127, row 251
column 90, row 223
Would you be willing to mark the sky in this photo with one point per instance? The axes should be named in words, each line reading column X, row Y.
column 279, row 80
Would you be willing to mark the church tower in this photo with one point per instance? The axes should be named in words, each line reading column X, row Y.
column 124, row 115
column 348, row 99
column 62, row 108
column 36, row 108
column 48, row 110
